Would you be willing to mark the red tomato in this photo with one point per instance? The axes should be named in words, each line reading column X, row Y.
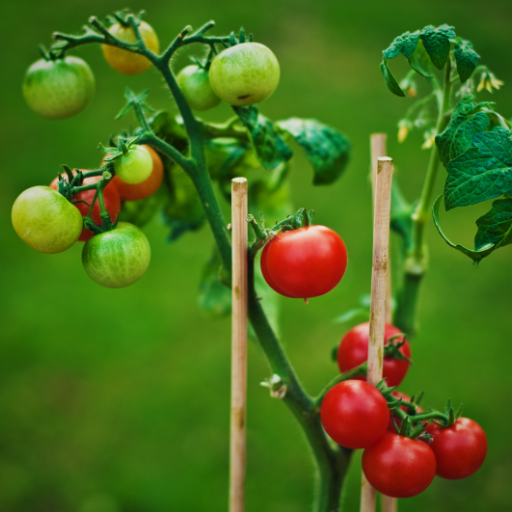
column 354, row 414
column 399, row 467
column 146, row 188
column 394, row 418
column 460, row 449
column 303, row 263
column 353, row 351
column 110, row 197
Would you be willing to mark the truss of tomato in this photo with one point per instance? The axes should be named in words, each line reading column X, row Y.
column 353, row 351
column 460, row 449
column 354, row 414
column 110, row 197
column 399, row 467
column 305, row 262
column 393, row 419
column 146, row 188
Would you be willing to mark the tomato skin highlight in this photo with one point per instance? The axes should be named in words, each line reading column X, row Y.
column 45, row 220
column 194, row 83
column 111, row 200
column 57, row 89
column 117, row 258
column 353, row 351
column 304, row 263
column 399, row 467
column 124, row 61
column 146, row 188
column 354, row 414
column 460, row 450
column 244, row 74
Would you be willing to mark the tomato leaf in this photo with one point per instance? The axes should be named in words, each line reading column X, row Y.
column 437, row 43
column 495, row 227
column 404, row 44
column 420, row 61
column 466, row 59
column 326, row 148
column 483, row 172
column 271, row 149
column 390, row 79
column 476, row 255
column 214, row 298
column 458, row 136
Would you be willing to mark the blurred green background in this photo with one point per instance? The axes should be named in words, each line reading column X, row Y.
column 118, row 400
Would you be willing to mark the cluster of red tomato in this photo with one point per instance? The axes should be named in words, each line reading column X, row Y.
column 355, row 415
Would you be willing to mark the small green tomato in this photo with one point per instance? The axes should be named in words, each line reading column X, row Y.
column 117, row 258
column 60, row 88
column 45, row 220
column 134, row 166
column 244, row 74
column 194, row 82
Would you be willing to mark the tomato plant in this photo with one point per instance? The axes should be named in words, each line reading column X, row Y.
column 353, row 351
column 117, row 258
column 45, row 220
column 146, row 188
column 195, row 85
column 459, row 449
column 245, row 74
column 304, row 263
column 58, row 87
column 84, row 200
column 354, row 414
column 134, row 166
column 398, row 466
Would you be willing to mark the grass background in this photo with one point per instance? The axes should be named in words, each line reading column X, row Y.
column 118, row 400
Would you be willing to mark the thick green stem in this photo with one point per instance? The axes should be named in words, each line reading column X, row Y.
column 415, row 264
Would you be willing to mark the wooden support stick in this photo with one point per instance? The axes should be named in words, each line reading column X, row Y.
column 239, row 344
column 379, row 293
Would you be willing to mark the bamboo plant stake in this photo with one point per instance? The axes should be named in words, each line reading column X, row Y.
column 239, row 344
column 378, row 149
column 379, row 292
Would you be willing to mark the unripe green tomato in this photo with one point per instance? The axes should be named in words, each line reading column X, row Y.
column 117, row 258
column 45, row 220
column 244, row 74
column 60, row 88
column 194, row 83
column 134, row 166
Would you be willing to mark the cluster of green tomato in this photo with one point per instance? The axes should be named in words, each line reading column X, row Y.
column 397, row 462
column 59, row 86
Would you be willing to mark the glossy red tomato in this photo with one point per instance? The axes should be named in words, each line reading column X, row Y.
column 146, row 188
column 394, row 418
column 460, row 449
column 353, row 351
column 303, row 263
column 110, row 197
column 354, row 414
column 399, row 467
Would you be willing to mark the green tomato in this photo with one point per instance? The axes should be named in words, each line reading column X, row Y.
column 117, row 258
column 134, row 166
column 244, row 74
column 194, row 82
column 58, row 88
column 45, row 220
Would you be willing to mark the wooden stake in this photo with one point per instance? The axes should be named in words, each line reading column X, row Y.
column 239, row 344
column 379, row 292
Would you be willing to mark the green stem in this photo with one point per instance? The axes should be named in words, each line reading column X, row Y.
column 415, row 264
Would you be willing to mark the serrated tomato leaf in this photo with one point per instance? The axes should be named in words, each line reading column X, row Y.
column 495, row 227
column 390, row 79
column 271, row 149
column 483, row 172
column 476, row 255
column 326, row 148
column 404, row 44
column 437, row 43
column 458, row 136
column 466, row 59
column 420, row 61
